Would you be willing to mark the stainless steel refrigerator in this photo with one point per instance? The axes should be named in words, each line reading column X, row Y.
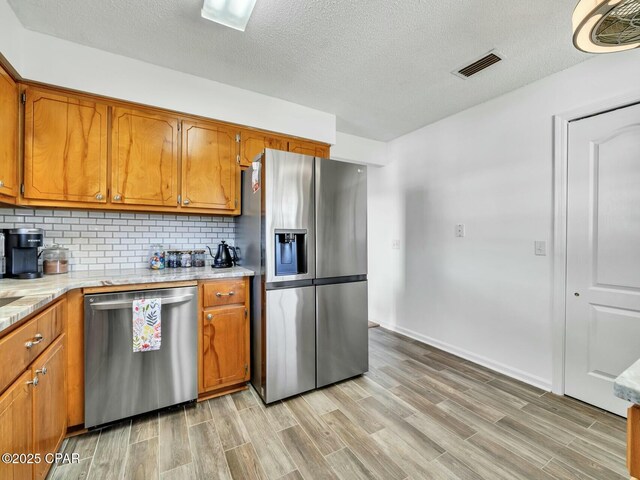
column 303, row 230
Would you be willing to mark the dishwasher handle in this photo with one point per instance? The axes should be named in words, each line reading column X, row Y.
column 119, row 304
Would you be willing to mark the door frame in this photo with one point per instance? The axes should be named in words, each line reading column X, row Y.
column 560, row 190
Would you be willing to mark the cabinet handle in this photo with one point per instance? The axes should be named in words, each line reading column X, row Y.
column 42, row 370
column 99, row 196
column 36, row 340
column 209, row 317
column 34, row 382
column 117, row 197
column 1, row 184
column 186, row 201
column 230, row 294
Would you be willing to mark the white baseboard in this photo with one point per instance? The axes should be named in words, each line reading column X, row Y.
column 480, row 360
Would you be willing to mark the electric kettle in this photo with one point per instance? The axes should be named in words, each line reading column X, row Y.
column 225, row 257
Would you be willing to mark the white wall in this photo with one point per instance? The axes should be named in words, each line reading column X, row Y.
column 485, row 296
column 352, row 148
column 10, row 36
column 51, row 60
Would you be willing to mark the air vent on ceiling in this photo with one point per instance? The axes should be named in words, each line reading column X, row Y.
column 485, row 62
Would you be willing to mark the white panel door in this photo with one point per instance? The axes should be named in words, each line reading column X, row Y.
column 603, row 255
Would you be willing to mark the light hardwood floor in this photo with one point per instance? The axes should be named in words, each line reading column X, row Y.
column 419, row 413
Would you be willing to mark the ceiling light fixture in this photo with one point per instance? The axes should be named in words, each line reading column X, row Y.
column 602, row 26
column 231, row 13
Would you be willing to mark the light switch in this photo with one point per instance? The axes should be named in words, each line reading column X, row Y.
column 395, row 244
column 540, row 247
column 460, row 230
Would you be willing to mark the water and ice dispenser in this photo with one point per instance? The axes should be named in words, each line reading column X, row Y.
column 291, row 252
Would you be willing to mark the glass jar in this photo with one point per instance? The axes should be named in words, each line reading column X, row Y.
column 156, row 257
column 185, row 258
column 55, row 259
column 171, row 260
column 199, row 258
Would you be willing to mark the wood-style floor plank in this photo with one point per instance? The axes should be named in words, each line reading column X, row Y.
column 273, row 456
column 244, row 464
column 197, row 413
column 111, row 450
column 363, row 446
column 244, row 399
column 418, row 413
column 173, row 440
column 324, row 437
column 227, row 420
column 347, row 466
column 83, row 445
column 142, row 460
column 319, row 402
column 144, row 428
column 311, row 463
column 209, row 460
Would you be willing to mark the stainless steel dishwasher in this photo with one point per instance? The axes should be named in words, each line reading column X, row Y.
column 120, row 383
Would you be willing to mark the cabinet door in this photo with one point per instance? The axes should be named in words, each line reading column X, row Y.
column 65, row 148
column 209, row 169
column 49, row 403
column 16, row 427
column 309, row 148
column 8, row 135
column 144, row 158
column 225, row 349
column 252, row 143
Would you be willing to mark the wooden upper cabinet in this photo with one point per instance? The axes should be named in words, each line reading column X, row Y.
column 16, row 426
column 308, row 148
column 144, row 158
column 210, row 173
column 225, row 349
column 8, row 136
column 253, row 142
column 65, row 148
column 49, row 403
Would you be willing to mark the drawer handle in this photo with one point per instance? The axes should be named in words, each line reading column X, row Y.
column 218, row 294
column 36, row 340
column 34, row 382
column 42, row 370
column 209, row 317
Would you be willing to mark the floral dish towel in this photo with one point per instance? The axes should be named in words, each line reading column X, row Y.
column 147, row 324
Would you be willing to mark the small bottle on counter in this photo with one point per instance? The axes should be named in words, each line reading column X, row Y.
column 55, row 260
column 185, row 259
column 171, row 260
column 156, row 257
column 199, row 258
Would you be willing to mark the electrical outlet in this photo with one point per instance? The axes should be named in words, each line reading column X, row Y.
column 460, row 230
column 540, row 248
column 395, row 244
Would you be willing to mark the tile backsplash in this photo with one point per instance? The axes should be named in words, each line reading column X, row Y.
column 100, row 240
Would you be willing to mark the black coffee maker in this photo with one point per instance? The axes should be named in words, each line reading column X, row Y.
column 21, row 248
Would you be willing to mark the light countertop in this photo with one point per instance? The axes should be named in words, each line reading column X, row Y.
column 36, row 293
column 627, row 385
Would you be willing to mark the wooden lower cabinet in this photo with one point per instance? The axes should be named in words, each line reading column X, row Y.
column 224, row 346
column 16, row 427
column 33, row 408
column 633, row 441
column 49, row 404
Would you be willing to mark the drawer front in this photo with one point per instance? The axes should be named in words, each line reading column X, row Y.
column 224, row 292
column 21, row 347
column 14, row 355
column 49, row 327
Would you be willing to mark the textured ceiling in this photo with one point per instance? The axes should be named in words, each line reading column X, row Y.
column 382, row 66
